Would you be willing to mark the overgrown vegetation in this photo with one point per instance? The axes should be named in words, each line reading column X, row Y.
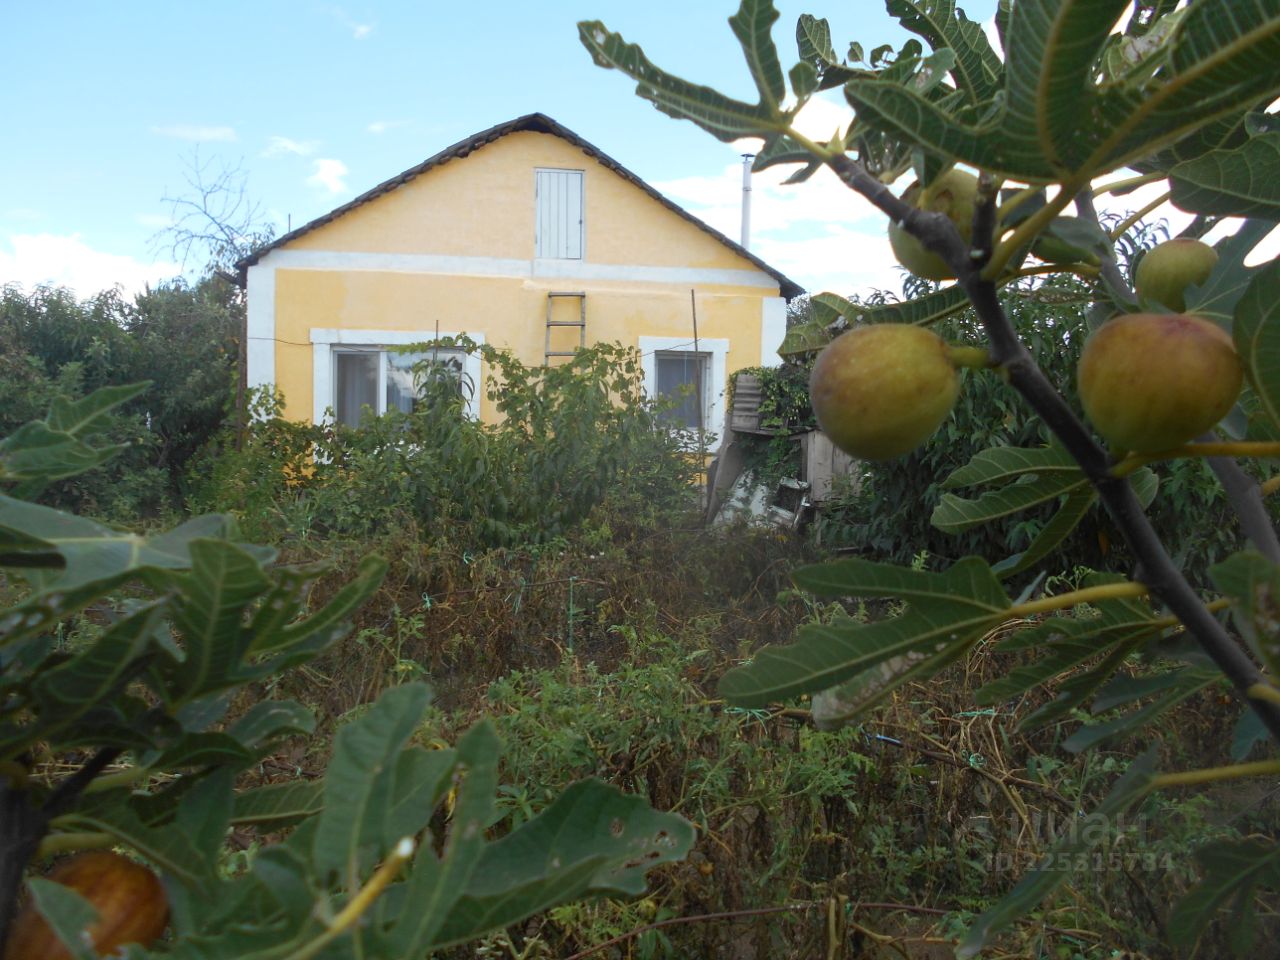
column 182, row 340
column 123, row 732
column 1003, row 134
column 569, row 438
column 954, row 752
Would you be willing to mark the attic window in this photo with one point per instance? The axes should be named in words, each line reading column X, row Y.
column 558, row 221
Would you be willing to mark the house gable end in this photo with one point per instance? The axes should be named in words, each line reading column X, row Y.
column 483, row 209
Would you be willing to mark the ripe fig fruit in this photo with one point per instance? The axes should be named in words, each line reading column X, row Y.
column 131, row 904
column 1152, row 381
column 880, row 391
column 955, row 194
column 1166, row 271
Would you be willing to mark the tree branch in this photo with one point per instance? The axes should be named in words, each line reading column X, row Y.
column 1156, row 568
column 1242, row 491
column 934, row 230
column 22, row 825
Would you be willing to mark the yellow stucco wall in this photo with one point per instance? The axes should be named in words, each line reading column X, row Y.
column 482, row 206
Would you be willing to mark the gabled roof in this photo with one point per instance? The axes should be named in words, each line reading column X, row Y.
column 533, row 123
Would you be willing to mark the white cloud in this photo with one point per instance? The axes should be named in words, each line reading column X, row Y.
column 197, row 134
column 157, row 221
column 33, row 259
column 279, row 146
column 819, row 233
column 993, row 36
column 328, row 175
column 844, row 261
column 821, row 119
column 359, row 31
column 382, row 126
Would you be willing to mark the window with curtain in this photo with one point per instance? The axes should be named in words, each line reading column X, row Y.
column 374, row 380
column 683, row 376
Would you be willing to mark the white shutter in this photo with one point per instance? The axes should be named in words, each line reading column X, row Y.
column 559, row 214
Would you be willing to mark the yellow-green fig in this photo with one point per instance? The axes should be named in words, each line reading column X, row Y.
column 955, row 194
column 880, row 391
column 1165, row 272
column 1153, row 381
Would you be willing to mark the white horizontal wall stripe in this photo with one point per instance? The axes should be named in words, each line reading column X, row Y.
column 505, row 267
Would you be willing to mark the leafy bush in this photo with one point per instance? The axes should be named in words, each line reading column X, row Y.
column 132, row 727
column 570, row 438
column 182, row 339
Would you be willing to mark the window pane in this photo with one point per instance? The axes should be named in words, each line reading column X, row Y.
column 402, row 391
column 355, row 385
column 673, row 373
column 410, row 376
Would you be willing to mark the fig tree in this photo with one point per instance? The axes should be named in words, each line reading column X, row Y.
column 131, row 905
column 1164, row 274
column 954, row 194
column 1152, row 381
column 880, row 391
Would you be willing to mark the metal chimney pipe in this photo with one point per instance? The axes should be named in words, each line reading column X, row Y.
column 746, row 199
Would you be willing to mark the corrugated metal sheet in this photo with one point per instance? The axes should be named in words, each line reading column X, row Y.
column 559, row 221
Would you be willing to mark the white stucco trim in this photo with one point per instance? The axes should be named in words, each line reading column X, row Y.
column 324, row 339
column 506, row 267
column 692, row 276
column 719, row 351
column 773, row 328
column 260, row 323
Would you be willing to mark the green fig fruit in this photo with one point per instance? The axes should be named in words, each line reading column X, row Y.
column 955, row 194
column 1166, row 271
column 1153, row 381
column 880, row 391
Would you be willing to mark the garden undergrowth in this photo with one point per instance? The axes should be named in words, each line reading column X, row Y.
column 597, row 654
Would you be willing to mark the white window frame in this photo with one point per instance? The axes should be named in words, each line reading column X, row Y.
column 717, row 351
column 325, row 340
column 582, row 214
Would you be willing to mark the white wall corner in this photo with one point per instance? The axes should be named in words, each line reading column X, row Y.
column 321, row 382
column 773, row 329
column 260, row 323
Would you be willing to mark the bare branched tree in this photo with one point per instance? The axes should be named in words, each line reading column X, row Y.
column 214, row 218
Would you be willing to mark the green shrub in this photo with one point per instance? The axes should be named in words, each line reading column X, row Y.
column 569, row 438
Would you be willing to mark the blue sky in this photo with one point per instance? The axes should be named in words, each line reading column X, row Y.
column 317, row 102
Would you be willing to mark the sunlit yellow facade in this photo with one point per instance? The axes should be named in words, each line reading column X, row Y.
column 453, row 247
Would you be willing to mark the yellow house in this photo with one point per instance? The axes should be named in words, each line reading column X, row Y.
column 524, row 236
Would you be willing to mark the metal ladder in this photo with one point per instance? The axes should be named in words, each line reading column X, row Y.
column 580, row 323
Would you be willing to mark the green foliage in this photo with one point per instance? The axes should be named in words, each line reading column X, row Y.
column 784, row 409
column 892, row 513
column 1175, row 93
column 203, row 619
column 570, row 437
column 182, row 340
